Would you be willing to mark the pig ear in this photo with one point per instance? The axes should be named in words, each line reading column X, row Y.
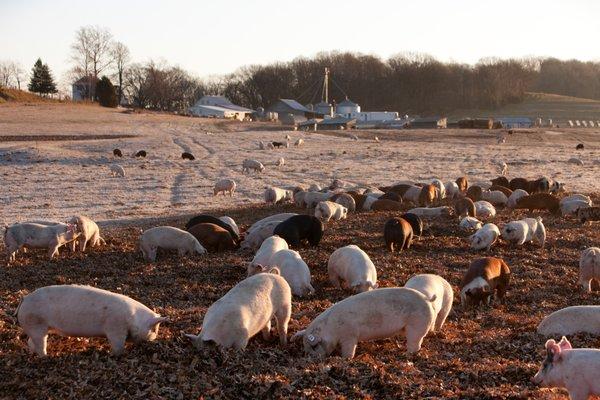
column 564, row 344
column 274, row 271
column 298, row 335
column 553, row 348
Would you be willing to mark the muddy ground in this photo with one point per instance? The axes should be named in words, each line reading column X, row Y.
column 486, row 354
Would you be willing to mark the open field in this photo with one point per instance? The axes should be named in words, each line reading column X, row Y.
column 487, row 354
column 57, row 178
column 559, row 108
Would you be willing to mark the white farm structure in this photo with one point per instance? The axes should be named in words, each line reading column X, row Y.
column 219, row 107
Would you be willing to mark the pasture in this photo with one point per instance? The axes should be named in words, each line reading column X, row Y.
column 488, row 353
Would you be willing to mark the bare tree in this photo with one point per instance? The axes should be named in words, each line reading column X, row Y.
column 91, row 51
column 121, row 56
column 11, row 74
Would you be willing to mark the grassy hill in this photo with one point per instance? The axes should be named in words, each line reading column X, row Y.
column 559, row 108
column 21, row 96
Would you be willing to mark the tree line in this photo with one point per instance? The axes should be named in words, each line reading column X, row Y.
column 409, row 82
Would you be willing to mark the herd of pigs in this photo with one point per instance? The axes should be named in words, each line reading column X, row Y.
column 276, row 272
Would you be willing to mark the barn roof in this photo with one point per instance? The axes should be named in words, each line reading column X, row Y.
column 293, row 104
column 347, row 103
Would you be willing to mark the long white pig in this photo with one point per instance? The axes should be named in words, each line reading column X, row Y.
column 434, row 286
column 254, row 239
column 571, row 320
column 326, row 210
column 589, row 267
column 38, row 236
column 170, row 238
column 577, row 370
column 247, row 309
column 524, row 231
column 269, row 246
column 372, row 315
column 85, row 311
column 294, row 270
column 352, row 266
column 485, row 237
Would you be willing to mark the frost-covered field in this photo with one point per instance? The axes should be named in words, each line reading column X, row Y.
column 59, row 178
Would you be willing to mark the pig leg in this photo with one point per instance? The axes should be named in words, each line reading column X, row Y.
column 82, row 243
column 37, row 342
column 408, row 241
column 282, row 316
column 390, row 245
column 587, row 285
column 348, row 348
column 116, row 336
column 53, row 251
column 266, row 331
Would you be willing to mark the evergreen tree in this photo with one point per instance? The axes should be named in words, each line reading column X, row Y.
column 35, row 83
column 106, row 94
column 41, row 81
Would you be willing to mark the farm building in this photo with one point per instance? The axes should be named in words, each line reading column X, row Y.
column 476, row 123
column 515, row 122
column 219, row 107
column 429, row 123
column 349, row 109
column 84, row 88
column 283, row 107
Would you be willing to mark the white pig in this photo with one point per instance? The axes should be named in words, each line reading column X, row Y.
column 299, row 198
column 451, row 190
column 89, row 232
column 294, row 270
column 117, row 170
column 37, row 236
column 253, row 165
column 470, row 224
column 495, row 197
column 574, row 197
column 246, row 310
column 577, row 370
column 269, row 246
column 352, row 266
column 434, row 286
column 412, row 194
column 572, row 207
column 431, row 212
column 485, row 237
column 571, row 320
column 229, row 221
column 484, row 209
column 225, row 186
column 515, row 195
column 589, row 267
column 275, row 217
column 311, row 199
column 275, row 195
column 254, row 239
column 441, row 189
column 372, row 315
column 525, row 230
column 347, row 201
column 326, row 210
column 171, row 238
column 85, row 311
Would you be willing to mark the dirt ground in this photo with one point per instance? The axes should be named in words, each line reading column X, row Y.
column 489, row 353
column 484, row 354
column 57, row 178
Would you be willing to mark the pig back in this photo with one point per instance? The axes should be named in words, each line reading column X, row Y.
column 378, row 313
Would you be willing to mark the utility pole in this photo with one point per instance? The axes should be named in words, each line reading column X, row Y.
column 326, row 86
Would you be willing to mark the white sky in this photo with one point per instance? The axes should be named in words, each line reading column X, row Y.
column 216, row 37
